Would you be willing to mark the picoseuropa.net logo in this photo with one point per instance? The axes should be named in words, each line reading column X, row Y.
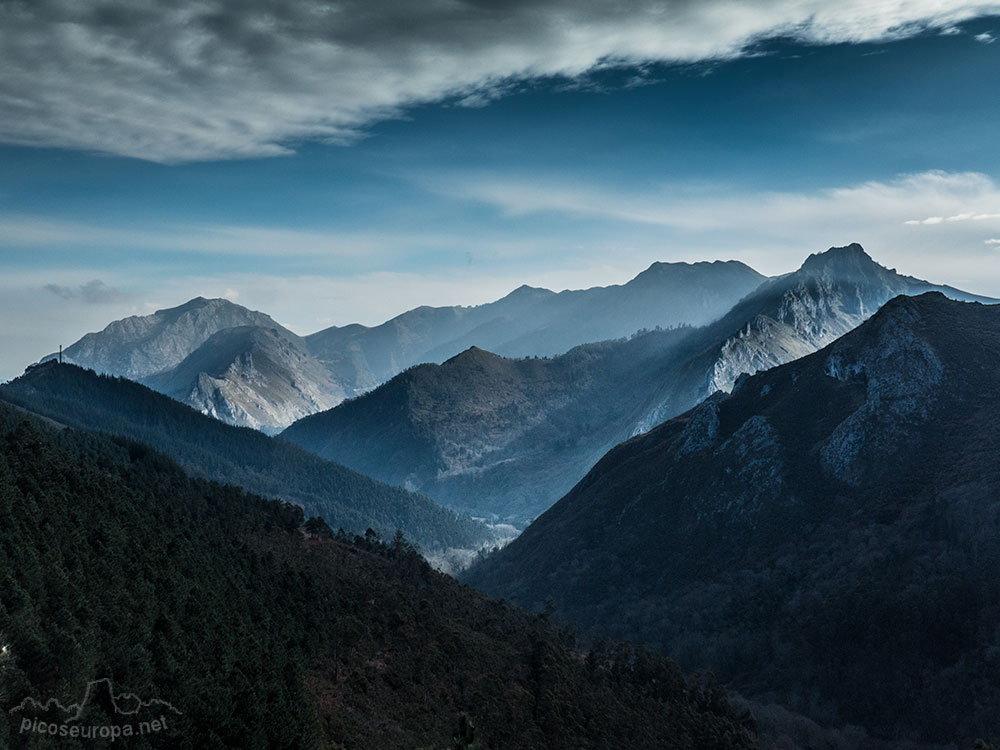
column 102, row 714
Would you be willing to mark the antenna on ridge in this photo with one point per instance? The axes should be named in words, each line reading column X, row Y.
column 60, row 353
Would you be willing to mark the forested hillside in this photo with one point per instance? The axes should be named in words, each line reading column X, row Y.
column 207, row 448
column 263, row 634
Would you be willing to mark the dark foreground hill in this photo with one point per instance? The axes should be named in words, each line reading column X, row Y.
column 207, row 448
column 826, row 537
column 123, row 580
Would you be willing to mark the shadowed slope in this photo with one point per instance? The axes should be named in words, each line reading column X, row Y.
column 827, row 536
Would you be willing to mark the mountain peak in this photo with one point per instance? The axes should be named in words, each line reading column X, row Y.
column 848, row 257
column 474, row 354
column 526, row 291
column 197, row 303
column 702, row 271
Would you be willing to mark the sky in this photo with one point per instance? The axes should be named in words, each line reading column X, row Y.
column 343, row 161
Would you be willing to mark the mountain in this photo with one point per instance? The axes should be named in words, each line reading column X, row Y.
column 251, row 376
column 784, row 319
column 825, row 537
column 232, row 363
column 264, row 632
column 143, row 345
column 207, row 448
column 507, row 438
column 535, row 322
column 494, row 437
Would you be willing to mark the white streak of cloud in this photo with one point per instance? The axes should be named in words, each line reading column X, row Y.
column 968, row 195
column 22, row 231
column 210, row 79
column 772, row 230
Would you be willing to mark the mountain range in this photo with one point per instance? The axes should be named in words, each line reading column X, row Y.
column 242, row 367
column 825, row 537
column 506, row 438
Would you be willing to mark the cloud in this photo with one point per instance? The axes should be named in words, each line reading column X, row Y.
column 94, row 292
column 211, row 79
column 968, row 216
column 773, row 231
column 23, row 231
column 969, row 195
column 993, row 242
column 985, row 38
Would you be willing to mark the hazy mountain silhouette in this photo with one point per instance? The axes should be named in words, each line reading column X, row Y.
column 535, row 322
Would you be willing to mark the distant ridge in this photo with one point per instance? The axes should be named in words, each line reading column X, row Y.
column 264, row 376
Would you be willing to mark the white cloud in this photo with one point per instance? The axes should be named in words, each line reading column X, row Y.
column 993, row 242
column 985, row 38
column 773, row 231
column 18, row 230
column 209, row 79
column 969, row 195
column 967, row 216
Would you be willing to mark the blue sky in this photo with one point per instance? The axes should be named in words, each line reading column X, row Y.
column 484, row 154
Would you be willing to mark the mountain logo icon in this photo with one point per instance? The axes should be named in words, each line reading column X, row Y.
column 101, row 713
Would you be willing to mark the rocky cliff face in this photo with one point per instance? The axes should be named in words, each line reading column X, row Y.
column 253, row 377
column 784, row 319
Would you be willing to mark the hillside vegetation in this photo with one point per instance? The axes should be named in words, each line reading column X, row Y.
column 265, row 635
column 207, row 448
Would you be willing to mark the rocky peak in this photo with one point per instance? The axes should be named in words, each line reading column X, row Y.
column 848, row 260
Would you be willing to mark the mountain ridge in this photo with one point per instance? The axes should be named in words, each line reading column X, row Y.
column 267, row 630
column 524, row 451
